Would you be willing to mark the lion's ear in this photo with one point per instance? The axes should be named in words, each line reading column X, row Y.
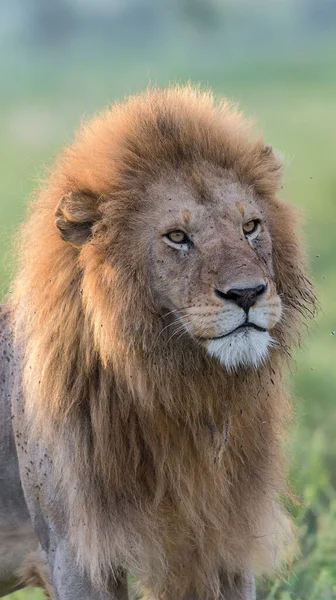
column 268, row 150
column 75, row 215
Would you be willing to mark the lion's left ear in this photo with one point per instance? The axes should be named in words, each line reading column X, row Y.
column 75, row 215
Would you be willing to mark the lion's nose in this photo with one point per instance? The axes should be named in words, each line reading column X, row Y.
column 244, row 297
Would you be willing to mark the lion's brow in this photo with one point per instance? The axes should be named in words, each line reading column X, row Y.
column 203, row 194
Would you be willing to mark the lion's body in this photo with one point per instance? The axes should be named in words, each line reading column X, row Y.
column 141, row 453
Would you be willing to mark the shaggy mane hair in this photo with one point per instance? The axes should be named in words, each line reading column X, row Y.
column 170, row 467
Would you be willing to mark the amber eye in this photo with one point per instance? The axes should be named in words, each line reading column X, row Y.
column 251, row 227
column 177, row 237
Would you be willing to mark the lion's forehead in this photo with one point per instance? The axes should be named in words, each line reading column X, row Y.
column 203, row 199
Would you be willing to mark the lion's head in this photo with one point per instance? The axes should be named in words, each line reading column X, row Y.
column 205, row 246
column 169, row 200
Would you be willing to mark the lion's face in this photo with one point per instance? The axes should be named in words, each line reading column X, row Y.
column 210, row 264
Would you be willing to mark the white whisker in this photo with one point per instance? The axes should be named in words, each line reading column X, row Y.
column 180, row 330
column 175, row 310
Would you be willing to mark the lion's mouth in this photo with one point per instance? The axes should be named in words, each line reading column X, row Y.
column 246, row 325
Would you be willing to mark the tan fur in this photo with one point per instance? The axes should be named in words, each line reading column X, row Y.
column 125, row 409
column 15, row 543
column 35, row 573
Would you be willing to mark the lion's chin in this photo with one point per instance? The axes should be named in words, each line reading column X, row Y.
column 247, row 348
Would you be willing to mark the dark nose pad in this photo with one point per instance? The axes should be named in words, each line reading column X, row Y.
column 244, row 297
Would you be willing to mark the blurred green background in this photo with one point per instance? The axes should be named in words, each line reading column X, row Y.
column 62, row 60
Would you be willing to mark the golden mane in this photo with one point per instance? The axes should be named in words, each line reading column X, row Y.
column 149, row 436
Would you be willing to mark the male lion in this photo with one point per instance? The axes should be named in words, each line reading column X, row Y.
column 160, row 288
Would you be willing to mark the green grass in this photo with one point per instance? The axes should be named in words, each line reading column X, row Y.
column 296, row 110
column 29, row 594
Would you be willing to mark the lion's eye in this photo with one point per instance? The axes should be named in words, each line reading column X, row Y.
column 251, row 227
column 177, row 237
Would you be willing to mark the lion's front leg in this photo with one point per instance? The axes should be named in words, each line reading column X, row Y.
column 238, row 588
column 69, row 583
column 61, row 579
column 241, row 588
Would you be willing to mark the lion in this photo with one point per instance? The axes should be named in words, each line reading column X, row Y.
column 160, row 288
